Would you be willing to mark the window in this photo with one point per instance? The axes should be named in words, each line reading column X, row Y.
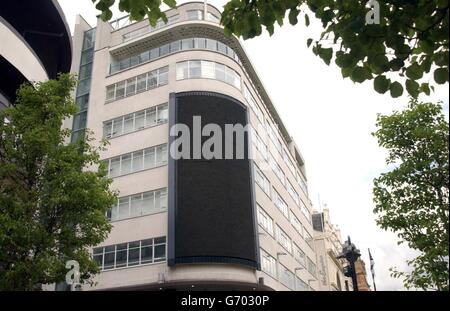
column 140, row 204
column 295, row 222
column 213, row 18
column 288, row 161
column 170, row 48
column 305, row 211
column 311, row 266
column 262, row 181
column 265, row 221
column 130, row 254
column 252, row 103
column 259, row 144
column 299, row 255
column 280, row 204
column 274, row 137
column 293, row 193
column 283, row 239
column 286, row 277
column 194, row 14
column 206, row 69
column 124, row 164
column 137, row 84
column 135, row 121
column 277, row 169
column 301, row 285
column 268, row 264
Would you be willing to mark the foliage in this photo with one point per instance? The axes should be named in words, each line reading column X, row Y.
column 413, row 198
column 51, row 208
column 409, row 43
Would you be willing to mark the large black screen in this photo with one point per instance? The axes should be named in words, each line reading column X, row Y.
column 211, row 202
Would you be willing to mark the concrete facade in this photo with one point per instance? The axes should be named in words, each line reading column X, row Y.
column 292, row 267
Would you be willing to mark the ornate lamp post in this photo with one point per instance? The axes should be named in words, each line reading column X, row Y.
column 351, row 253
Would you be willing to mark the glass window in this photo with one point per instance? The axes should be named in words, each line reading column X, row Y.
column 134, row 60
column 141, row 83
column 136, row 205
column 265, row 221
column 200, row 43
column 211, row 44
column 163, row 76
column 109, row 257
column 195, row 69
column 161, row 155
column 160, row 253
column 208, row 70
column 182, row 70
column 164, row 49
column 149, row 158
column 124, row 207
column 152, row 80
column 148, row 203
column 194, row 14
column 126, row 164
column 110, row 92
column 82, row 102
column 138, row 161
column 114, row 168
column 115, row 212
column 131, row 86
column 139, row 120
column 150, row 119
column 222, row 48
column 175, row 46
column 117, row 126
column 133, row 253
column 220, row 72
column 128, row 124
column 147, row 251
column 121, row 255
column 154, row 53
column 187, row 44
column 144, row 56
column 98, row 256
column 213, row 18
column 107, row 129
column 79, row 120
column 120, row 90
column 162, row 113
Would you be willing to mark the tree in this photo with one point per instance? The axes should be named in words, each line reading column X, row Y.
column 413, row 198
column 383, row 41
column 51, row 207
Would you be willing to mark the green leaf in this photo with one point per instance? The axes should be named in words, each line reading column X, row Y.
column 326, row 54
column 306, row 20
column 106, row 15
column 344, row 60
column 414, row 72
column 360, row 74
column 396, row 89
column 413, row 88
column 293, row 16
column 171, row 3
column 308, row 42
column 381, row 84
column 441, row 75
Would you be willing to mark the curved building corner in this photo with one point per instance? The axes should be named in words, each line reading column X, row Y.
column 36, row 44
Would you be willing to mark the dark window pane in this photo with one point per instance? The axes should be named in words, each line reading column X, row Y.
column 134, row 244
column 146, row 254
column 160, row 252
column 109, row 260
column 99, row 259
column 160, row 240
column 147, row 242
column 121, row 258
column 133, row 257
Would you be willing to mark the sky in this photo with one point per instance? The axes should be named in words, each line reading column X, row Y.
column 331, row 120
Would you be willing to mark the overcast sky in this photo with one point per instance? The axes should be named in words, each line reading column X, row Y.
column 331, row 120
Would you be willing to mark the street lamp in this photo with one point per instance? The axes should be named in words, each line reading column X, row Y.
column 351, row 253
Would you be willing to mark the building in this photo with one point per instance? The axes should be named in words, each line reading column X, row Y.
column 328, row 245
column 361, row 275
column 240, row 224
column 36, row 44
